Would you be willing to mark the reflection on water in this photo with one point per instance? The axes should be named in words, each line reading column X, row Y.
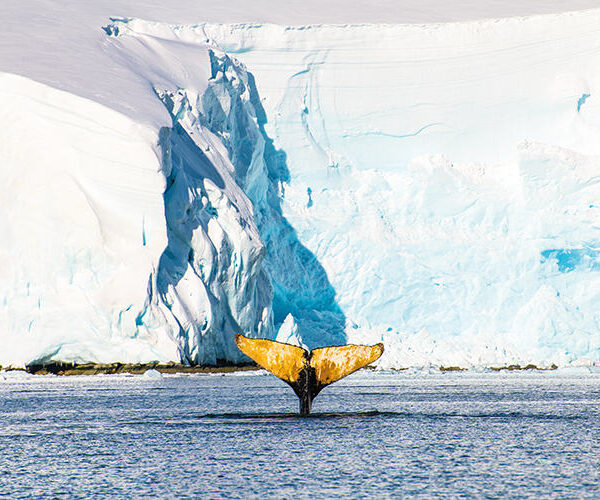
column 372, row 435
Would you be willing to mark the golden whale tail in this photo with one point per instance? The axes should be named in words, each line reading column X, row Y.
column 308, row 372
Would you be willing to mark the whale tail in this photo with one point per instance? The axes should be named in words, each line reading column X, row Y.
column 307, row 372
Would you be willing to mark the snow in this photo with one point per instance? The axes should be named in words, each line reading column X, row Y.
column 82, row 224
column 61, row 43
column 171, row 178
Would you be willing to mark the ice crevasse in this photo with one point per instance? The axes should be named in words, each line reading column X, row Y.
column 432, row 186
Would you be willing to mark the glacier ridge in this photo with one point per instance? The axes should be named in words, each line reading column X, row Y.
column 287, row 279
column 294, row 283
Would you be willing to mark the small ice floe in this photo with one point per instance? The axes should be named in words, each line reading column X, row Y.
column 259, row 372
column 574, row 370
column 16, row 375
column 152, row 374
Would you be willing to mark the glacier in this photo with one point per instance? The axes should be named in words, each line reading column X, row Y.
column 82, row 224
column 434, row 186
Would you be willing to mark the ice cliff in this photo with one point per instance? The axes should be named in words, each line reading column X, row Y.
column 446, row 176
column 433, row 186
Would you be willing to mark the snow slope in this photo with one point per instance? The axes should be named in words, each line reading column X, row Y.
column 431, row 185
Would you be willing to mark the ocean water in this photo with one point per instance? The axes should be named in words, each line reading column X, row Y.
column 374, row 434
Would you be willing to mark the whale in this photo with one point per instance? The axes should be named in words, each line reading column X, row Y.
column 308, row 372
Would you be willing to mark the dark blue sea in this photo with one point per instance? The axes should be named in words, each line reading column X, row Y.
column 372, row 435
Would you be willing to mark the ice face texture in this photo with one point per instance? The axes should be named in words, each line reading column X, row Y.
column 431, row 186
column 446, row 177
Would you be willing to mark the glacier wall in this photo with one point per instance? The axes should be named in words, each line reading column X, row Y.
column 446, row 176
column 173, row 237
column 405, row 165
column 82, row 224
column 253, row 272
column 432, row 186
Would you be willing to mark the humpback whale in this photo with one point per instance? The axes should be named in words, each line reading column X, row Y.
column 307, row 372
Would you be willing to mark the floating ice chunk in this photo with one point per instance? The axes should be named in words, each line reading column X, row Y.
column 152, row 374
column 16, row 375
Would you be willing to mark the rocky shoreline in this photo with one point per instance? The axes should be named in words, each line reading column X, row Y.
column 131, row 368
column 222, row 367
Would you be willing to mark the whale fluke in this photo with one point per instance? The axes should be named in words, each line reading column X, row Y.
column 308, row 372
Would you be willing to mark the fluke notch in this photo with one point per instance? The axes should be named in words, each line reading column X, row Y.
column 308, row 372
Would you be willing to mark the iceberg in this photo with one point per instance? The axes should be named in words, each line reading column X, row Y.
column 433, row 186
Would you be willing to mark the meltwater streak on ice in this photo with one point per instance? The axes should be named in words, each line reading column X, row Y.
column 461, row 434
